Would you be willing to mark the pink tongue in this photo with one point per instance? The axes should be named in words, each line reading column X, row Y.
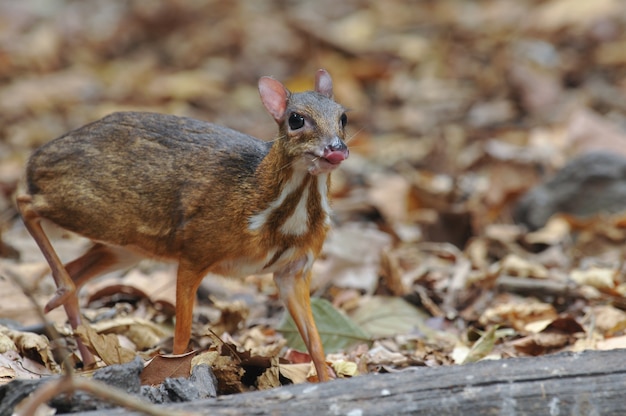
column 335, row 157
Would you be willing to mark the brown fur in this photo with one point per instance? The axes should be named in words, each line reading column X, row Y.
column 182, row 189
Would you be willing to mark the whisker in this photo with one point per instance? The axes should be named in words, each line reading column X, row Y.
column 354, row 135
column 288, row 165
column 276, row 139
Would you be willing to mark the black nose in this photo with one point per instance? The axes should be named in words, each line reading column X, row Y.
column 337, row 145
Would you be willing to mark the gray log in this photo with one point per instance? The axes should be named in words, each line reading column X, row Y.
column 586, row 383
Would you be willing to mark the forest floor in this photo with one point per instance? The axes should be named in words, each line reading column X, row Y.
column 457, row 110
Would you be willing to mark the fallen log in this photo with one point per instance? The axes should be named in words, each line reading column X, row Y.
column 584, row 383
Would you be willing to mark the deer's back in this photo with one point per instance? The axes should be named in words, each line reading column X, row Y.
column 136, row 178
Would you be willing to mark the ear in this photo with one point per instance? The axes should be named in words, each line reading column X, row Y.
column 324, row 83
column 274, row 96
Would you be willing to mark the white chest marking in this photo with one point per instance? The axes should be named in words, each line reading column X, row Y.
column 257, row 221
column 297, row 223
column 322, row 188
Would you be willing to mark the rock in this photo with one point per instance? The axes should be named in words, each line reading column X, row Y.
column 201, row 384
column 590, row 184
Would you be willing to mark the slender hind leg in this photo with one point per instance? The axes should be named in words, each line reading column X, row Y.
column 66, row 289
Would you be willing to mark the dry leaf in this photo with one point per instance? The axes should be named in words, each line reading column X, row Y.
column 227, row 370
column 233, row 316
column 554, row 232
column 158, row 286
column 353, row 256
column 608, row 319
column 542, row 343
column 22, row 367
column 597, row 277
column 482, row 347
column 612, row 343
column 345, row 369
column 269, row 378
column 106, row 346
column 167, row 366
column 514, row 265
column 6, row 374
column 31, row 345
column 141, row 332
column 297, row 373
column 518, row 315
column 6, row 343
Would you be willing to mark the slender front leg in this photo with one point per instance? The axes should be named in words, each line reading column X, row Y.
column 293, row 287
column 66, row 290
column 187, row 282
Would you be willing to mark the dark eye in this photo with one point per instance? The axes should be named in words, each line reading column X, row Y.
column 296, row 121
column 343, row 120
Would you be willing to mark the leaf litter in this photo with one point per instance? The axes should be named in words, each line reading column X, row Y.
column 458, row 109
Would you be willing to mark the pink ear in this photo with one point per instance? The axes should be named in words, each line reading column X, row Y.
column 274, row 96
column 324, row 83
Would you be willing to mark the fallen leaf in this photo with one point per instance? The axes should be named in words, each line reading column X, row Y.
column 22, row 367
column 6, row 343
column 233, row 315
column 518, row 314
column 353, row 256
column 537, row 344
column 554, row 232
column 6, row 374
column 167, row 366
column 297, row 357
column 597, row 277
column 345, row 369
column 141, row 332
column 608, row 319
column 227, row 369
column 297, row 373
column 158, row 286
column 566, row 324
column 515, row 265
column 269, row 378
column 106, row 346
column 30, row 345
column 482, row 347
column 612, row 343
column 337, row 330
column 385, row 316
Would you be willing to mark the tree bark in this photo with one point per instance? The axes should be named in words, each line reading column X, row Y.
column 585, row 383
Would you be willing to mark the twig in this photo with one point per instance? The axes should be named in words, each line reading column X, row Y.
column 70, row 383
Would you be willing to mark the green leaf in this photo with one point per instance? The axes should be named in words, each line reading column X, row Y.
column 483, row 346
column 337, row 331
column 385, row 316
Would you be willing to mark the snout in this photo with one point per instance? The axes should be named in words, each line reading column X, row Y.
column 336, row 151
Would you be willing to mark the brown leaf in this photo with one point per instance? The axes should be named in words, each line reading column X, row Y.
column 541, row 343
column 565, row 324
column 141, row 332
column 297, row 357
column 167, row 366
column 612, row 343
column 297, row 373
column 106, row 346
column 158, row 286
column 518, row 314
column 269, row 378
column 227, row 370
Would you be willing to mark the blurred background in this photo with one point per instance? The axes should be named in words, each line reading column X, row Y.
column 457, row 109
column 492, row 94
